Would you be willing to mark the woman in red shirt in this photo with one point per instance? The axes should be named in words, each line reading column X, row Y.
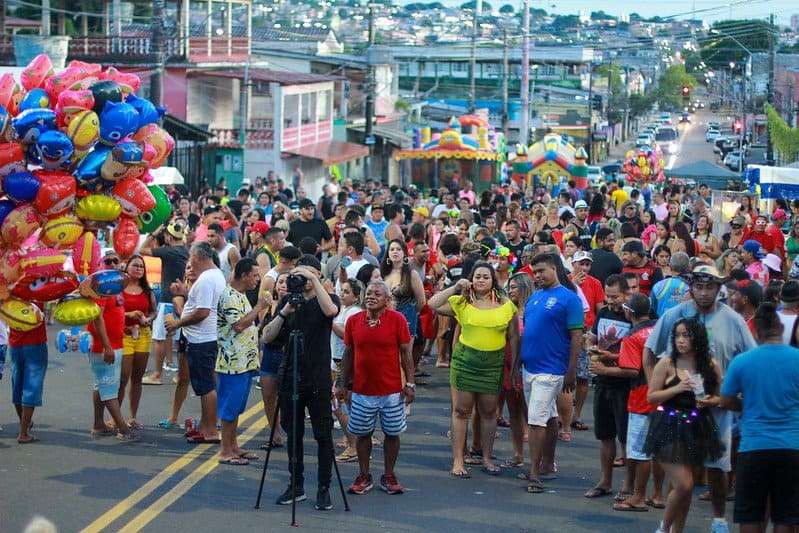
column 140, row 311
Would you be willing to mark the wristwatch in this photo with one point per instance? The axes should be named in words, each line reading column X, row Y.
column 411, row 385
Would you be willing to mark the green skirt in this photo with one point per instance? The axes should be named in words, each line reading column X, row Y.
column 475, row 370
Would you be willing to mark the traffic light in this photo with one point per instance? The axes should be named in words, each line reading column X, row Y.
column 596, row 103
column 737, row 126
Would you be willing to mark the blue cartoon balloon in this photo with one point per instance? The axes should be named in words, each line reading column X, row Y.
column 87, row 172
column 148, row 113
column 35, row 99
column 124, row 156
column 29, row 124
column 54, row 149
column 117, row 121
column 6, row 206
column 21, row 186
column 5, row 121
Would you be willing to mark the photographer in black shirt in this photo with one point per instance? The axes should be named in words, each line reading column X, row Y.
column 314, row 318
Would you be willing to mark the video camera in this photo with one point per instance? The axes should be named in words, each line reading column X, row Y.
column 296, row 289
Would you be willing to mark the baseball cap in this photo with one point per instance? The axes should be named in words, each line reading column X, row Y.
column 753, row 247
column 422, row 211
column 582, row 255
column 779, row 214
column 738, row 220
column 706, row 272
column 580, row 204
column 177, row 230
column 306, row 202
column 260, row 227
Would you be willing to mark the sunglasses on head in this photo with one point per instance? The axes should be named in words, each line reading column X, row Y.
column 110, row 261
column 736, row 226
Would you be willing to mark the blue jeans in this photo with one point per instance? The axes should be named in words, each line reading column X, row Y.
column 28, row 367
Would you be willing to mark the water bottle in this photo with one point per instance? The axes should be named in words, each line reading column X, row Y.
column 169, row 309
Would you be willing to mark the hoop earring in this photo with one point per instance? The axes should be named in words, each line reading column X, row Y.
column 405, row 261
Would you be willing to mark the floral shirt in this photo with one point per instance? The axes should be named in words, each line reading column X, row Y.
column 758, row 272
column 238, row 352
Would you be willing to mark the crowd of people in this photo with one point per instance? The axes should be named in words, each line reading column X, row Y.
column 530, row 298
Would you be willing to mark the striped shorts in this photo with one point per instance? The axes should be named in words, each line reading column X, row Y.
column 364, row 411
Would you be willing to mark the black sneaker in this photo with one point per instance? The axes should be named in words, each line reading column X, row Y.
column 285, row 498
column 323, row 502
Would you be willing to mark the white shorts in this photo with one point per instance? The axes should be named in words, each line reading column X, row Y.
column 541, row 392
column 724, row 420
column 159, row 326
column 637, row 428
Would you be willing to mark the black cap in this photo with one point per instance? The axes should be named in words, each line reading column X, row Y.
column 306, row 202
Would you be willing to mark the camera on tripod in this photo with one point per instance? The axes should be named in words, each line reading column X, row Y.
column 296, row 289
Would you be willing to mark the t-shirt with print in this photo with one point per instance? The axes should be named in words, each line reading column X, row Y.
column 726, row 331
column 113, row 310
column 610, row 328
column 631, row 357
column 668, row 293
column 770, row 417
column 549, row 317
column 238, row 352
column 204, row 294
column 376, row 352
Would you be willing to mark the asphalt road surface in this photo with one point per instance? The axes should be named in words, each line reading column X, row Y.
column 165, row 484
column 693, row 147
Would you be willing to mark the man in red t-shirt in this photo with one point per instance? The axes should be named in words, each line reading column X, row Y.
column 377, row 350
column 758, row 233
column 28, row 355
column 105, row 359
column 638, row 408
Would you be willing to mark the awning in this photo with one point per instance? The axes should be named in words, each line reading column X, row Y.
column 166, row 176
column 331, row 152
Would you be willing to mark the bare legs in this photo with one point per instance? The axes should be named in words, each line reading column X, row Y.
column 25, row 415
column 269, row 396
column 679, row 500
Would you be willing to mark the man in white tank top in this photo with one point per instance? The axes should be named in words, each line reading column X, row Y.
column 228, row 253
column 789, row 296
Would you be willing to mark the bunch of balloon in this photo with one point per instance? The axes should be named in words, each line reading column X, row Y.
column 644, row 165
column 76, row 148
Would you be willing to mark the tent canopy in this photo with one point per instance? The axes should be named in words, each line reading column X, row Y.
column 706, row 172
column 166, row 176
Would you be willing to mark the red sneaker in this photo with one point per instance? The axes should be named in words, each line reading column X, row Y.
column 389, row 484
column 362, row 484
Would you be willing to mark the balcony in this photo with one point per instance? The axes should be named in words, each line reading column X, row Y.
column 263, row 139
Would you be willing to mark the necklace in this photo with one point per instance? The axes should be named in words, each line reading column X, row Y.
column 373, row 322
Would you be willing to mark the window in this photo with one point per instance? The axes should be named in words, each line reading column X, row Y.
column 291, row 111
column 308, row 108
column 324, row 105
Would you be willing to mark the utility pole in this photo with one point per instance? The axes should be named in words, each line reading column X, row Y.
column 626, row 126
column 590, row 113
column 473, row 63
column 370, row 94
column 243, row 105
column 157, row 43
column 770, row 96
column 505, row 74
column 524, row 124
column 610, row 96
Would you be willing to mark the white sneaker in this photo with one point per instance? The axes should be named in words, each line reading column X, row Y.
column 719, row 525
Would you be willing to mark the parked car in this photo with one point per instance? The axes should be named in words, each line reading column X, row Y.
column 595, row 175
column 612, row 169
column 732, row 160
column 713, row 126
column 643, row 140
column 712, row 134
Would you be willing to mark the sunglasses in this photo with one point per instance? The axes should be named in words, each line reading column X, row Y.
column 736, row 226
column 110, row 261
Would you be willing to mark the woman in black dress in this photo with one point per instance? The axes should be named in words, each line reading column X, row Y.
column 682, row 433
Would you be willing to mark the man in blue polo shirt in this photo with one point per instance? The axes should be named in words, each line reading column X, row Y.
column 553, row 329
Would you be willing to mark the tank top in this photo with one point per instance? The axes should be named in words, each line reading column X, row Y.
column 224, row 261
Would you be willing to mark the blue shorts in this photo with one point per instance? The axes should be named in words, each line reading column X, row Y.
column 270, row 361
column 28, row 367
column 106, row 377
column 364, row 411
column 202, row 363
column 232, row 391
column 411, row 315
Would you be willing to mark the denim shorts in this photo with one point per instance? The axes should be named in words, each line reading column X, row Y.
column 232, row 392
column 28, row 367
column 202, row 363
column 270, row 361
column 106, row 377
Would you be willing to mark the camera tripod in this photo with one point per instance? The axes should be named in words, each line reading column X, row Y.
column 296, row 342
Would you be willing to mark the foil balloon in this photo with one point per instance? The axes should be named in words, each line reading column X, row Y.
column 76, row 311
column 127, row 160
column 150, row 221
column 54, row 149
column 102, row 284
column 45, row 289
column 35, row 99
column 6, row 206
column 88, row 70
column 83, row 130
column 5, row 122
column 61, row 232
column 125, row 237
column 56, row 192
column 68, row 78
column 28, row 125
column 87, row 173
column 133, row 196
column 72, row 102
column 12, row 158
column 148, row 113
column 117, row 121
column 42, row 262
column 9, row 266
column 20, row 315
column 10, row 93
column 21, row 186
column 86, row 254
column 105, row 91
column 98, row 208
column 128, row 83
column 159, row 139
column 20, row 224
column 35, row 75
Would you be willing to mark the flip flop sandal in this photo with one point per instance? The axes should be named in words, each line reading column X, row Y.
column 704, row 497
column 619, row 463
column 135, row 424
column 624, row 506
column 249, row 456
column 535, row 487
column 492, row 471
column 524, row 476
column 346, row 457
column 501, row 422
column 235, row 461
column 510, row 463
column 548, row 476
column 579, row 426
column 621, row 496
column 96, row 433
column 654, row 505
column 461, row 475
column 476, row 453
column 598, row 492
column 169, row 425
column 29, row 441
column 472, row 460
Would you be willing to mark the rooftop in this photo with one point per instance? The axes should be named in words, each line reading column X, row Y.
column 269, row 76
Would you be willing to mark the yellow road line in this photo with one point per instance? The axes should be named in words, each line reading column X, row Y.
column 151, row 486
column 149, row 514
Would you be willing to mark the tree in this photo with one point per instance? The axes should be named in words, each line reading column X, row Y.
column 601, row 15
column 507, row 9
column 784, row 137
column 718, row 50
column 641, row 104
column 472, row 5
column 691, row 59
column 565, row 22
column 669, row 93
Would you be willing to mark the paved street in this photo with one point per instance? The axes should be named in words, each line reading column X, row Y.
column 163, row 484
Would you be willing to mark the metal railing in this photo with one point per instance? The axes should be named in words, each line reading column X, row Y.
column 254, row 138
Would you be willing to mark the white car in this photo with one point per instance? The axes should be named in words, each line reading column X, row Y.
column 712, row 135
column 595, row 175
column 643, row 140
column 732, row 160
